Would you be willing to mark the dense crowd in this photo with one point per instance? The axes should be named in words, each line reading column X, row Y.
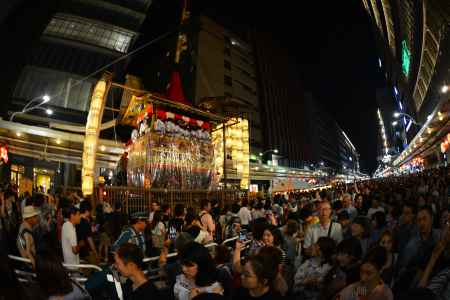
column 377, row 239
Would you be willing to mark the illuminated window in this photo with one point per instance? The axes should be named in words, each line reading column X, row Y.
column 85, row 30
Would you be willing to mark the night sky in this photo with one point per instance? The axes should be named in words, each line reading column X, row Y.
column 332, row 42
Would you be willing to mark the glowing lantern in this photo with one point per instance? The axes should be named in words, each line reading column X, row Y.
column 92, row 132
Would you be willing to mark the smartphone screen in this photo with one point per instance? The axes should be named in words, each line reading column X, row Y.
column 172, row 233
column 243, row 235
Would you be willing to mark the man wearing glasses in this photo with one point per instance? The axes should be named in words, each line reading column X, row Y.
column 325, row 228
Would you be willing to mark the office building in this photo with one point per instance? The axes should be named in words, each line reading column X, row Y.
column 329, row 145
column 225, row 69
column 78, row 38
column 414, row 47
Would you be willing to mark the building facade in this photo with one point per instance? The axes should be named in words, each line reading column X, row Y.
column 330, row 146
column 414, row 47
column 225, row 69
column 78, row 38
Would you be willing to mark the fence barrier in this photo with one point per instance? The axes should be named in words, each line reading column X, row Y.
column 25, row 273
column 134, row 199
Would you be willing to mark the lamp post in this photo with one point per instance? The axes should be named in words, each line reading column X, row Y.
column 271, row 150
column 398, row 114
column 261, row 154
column 45, row 99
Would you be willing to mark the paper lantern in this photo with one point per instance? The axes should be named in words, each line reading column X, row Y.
column 93, row 125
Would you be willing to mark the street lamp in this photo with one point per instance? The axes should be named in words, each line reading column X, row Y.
column 45, row 99
column 394, row 123
column 398, row 114
column 271, row 150
column 445, row 89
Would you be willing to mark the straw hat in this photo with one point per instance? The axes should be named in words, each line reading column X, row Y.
column 29, row 211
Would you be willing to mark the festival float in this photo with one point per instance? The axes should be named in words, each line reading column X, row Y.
column 179, row 147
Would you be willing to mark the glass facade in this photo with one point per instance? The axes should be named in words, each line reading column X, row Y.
column 72, row 94
column 88, row 31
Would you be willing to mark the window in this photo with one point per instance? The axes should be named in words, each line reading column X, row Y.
column 85, row 30
column 228, row 81
column 227, row 65
column 227, row 51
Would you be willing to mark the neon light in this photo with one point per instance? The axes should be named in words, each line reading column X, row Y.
column 409, row 125
column 406, row 58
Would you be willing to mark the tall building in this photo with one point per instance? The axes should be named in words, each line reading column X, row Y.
column 330, row 146
column 225, row 68
column 281, row 100
column 414, row 46
column 78, row 38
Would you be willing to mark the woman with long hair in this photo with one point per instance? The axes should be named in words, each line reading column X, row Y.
column 158, row 230
column 371, row 285
column 387, row 273
column 258, row 277
column 200, row 274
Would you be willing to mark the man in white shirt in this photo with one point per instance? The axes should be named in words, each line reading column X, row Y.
column 154, row 207
column 375, row 207
column 69, row 242
column 324, row 228
column 244, row 214
column 347, row 205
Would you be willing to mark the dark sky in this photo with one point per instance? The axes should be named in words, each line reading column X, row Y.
column 334, row 48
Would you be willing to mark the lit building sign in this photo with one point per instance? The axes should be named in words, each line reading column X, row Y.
column 406, row 58
column 4, row 153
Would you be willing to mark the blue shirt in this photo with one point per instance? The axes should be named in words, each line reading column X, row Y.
column 417, row 252
column 130, row 235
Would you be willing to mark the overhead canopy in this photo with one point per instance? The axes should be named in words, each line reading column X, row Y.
column 54, row 145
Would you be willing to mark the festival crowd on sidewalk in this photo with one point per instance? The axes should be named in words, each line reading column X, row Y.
column 376, row 239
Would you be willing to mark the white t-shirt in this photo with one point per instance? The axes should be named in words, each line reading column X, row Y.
column 374, row 210
column 314, row 232
column 69, row 240
column 245, row 215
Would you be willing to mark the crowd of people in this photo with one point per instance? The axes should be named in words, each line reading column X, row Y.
column 377, row 239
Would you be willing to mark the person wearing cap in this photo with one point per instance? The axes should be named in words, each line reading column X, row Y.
column 25, row 241
column 133, row 234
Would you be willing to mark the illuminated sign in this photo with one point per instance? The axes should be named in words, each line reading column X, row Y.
column 406, row 58
column 4, row 153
